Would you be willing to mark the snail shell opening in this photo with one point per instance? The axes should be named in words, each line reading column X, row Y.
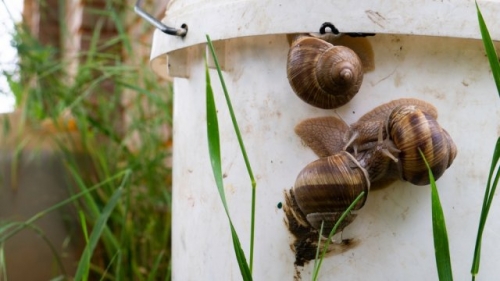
column 329, row 219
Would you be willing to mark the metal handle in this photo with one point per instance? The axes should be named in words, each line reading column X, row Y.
column 163, row 28
column 322, row 30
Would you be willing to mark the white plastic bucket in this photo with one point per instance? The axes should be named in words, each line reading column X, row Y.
column 426, row 50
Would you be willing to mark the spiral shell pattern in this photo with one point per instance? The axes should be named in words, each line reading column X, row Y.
column 411, row 129
column 323, row 75
column 330, row 185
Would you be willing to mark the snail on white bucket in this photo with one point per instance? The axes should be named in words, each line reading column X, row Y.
column 326, row 70
column 380, row 147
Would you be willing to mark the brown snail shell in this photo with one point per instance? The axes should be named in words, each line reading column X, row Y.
column 321, row 74
column 325, row 188
column 366, row 130
column 380, row 147
column 360, row 45
column 411, row 128
column 327, row 136
column 378, row 151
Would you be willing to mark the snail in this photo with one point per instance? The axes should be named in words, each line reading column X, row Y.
column 321, row 74
column 411, row 128
column 409, row 124
column 365, row 131
column 388, row 129
column 322, row 192
column 326, row 187
column 380, row 147
column 367, row 141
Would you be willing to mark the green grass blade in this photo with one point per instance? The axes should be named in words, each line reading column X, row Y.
column 213, row 140
column 91, row 202
column 242, row 148
column 168, row 276
column 317, row 266
column 16, row 227
column 316, row 257
column 231, row 111
column 3, row 266
column 5, row 227
column 51, row 246
column 488, row 199
column 490, row 189
column 490, row 49
column 83, row 223
column 215, row 160
column 84, row 264
column 104, row 273
column 441, row 245
column 85, row 254
column 152, row 275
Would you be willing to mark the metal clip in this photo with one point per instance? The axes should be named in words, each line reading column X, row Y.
column 322, row 30
column 163, row 28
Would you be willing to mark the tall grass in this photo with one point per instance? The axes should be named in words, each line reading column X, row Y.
column 118, row 114
column 441, row 245
column 215, row 159
column 491, row 185
column 439, row 232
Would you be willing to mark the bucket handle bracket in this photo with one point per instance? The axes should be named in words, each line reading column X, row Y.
column 158, row 24
column 334, row 30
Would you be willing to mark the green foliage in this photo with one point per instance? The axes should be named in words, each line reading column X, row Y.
column 100, row 225
column 319, row 259
column 215, row 159
column 490, row 49
column 488, row 199
column 3, row 269
column 440, row 235
column 439, row 226
column 490, row 186
column 121, row 113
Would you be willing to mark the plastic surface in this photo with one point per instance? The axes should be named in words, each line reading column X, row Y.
column 223, row 19
column 394, row 227
column 395, row 224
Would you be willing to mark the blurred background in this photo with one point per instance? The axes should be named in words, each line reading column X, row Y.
column 85, row 143
column 10, row 13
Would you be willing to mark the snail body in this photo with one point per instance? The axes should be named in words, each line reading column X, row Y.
column 382, row 146
column 393, row 132
column 321, row 74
